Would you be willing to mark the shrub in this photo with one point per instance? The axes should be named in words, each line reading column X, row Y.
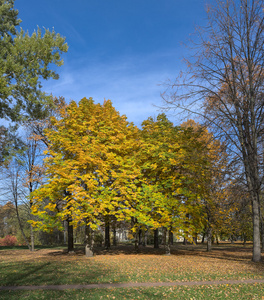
column 8, row 240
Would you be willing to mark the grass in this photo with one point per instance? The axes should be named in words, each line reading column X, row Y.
column 252, row 291
column 121, row 264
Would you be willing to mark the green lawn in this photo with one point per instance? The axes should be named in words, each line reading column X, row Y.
column 252, row 291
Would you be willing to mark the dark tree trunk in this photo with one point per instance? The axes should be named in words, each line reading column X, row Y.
column 70, row 236
column 245, row 239
column 32, row 238
column 107, row 234
column 136, row 241
column 156, row 238
column 114, row 236
column 164, row 236
column 171, row 237
column 65, row 224
column 203, row 238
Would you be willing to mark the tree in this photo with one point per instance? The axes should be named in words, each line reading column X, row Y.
column 178, row 166
column 24, row 61
column 15, row 192
column 90, row 167
column 31, row 162
column 224, row 84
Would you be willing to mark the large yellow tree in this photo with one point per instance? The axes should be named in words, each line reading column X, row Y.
column 90, row 167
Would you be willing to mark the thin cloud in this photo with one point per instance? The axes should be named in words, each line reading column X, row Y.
column 131, row 83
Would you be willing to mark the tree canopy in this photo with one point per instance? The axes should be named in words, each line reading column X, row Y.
column 24, row 61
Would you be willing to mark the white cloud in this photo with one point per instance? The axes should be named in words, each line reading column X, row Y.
column 131, row 83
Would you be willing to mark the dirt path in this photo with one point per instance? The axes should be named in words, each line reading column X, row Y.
column 127, row 285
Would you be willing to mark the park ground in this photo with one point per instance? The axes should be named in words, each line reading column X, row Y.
column 187, row 263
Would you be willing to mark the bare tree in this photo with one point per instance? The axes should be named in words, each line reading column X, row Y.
column 14, row 191
column 31, row 161
column 223, row 84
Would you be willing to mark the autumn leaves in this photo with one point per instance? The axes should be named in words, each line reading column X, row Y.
column 98, row 164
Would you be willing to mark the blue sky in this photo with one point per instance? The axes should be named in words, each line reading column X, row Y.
column 120, row 50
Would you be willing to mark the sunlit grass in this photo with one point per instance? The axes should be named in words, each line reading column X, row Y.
column 191, row 263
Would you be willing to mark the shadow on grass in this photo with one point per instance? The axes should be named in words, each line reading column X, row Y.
column 52, row 272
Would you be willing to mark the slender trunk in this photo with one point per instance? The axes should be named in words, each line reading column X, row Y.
column 164, row 236
column 140, row 237
column 31, row 227
column 203, row 238
column 70, row 236
column 244, row 239
column 89, row 241
column 209, row 239
column 65, row 232
column 231, row 239
column 107, row 234
column 167, row 242
column 256, row 230
column 32, row 238
column 114, row 236
column 145, row 238
column 136, row 241
column 171, row 237
column 156, row 238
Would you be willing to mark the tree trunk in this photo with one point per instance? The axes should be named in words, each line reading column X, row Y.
column 171, row 237
column 262, row 232
column 203, row 238
column 140, row 236
column 164, row 236
column 145, row 239
column 256, row 230
column 107, row 234
column 167, row 243
column 70, row 236
column 156, row 238
column 136, row 241
column 65, row 232
column 209, row 239
column 114, row 236
column 89, row 241
column 244, row 239
column 32, row 238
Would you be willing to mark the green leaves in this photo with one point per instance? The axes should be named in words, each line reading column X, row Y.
column 24, row 61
